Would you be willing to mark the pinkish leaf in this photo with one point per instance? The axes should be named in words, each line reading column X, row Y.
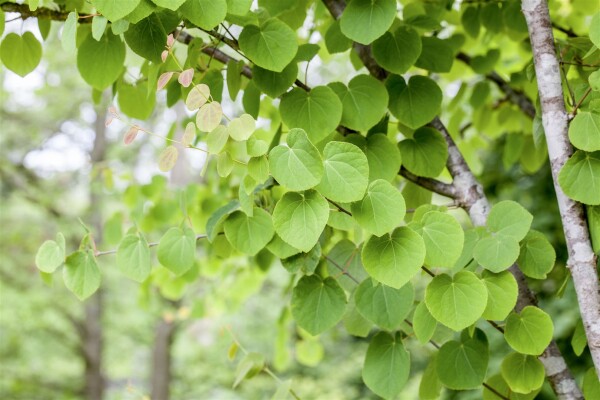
column 130, row 135
column 112, row 110
column 108, row 121
column 185, row 78
column 170, row 40
column 163, row 79
column 164, row 55
column 168, row 158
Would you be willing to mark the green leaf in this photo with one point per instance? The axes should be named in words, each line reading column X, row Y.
column 346, row 172
column 364, row 102
column 299, row 218
column 430, row 386
column 584, row 131
column 250, row 366
column 249, row 234
column 317, row 305
column 281, row 249
column 537, row 255
column 238, row 7
column 457, row 301
column 591, row 383
column 529, row 332
column 69, row 33
column 258, row 168
column 509, row 218
column 297, row 166
column 499, row 385
column 170, row 4
column 470, row 21
column 595, row 29
column 81, row 274
column 273, row 83
column 593, row 214
column 580, row 177
column 177, row 250
column 305, row 262
column 318, row 112
column 594, row 80
column 100, row 63
column 354, row 322
column 51, row 254
column 398, row 51
column 271, row 46
column 98, row 26
column 578, row 340
column 383, row 305
column 216, row 220
column 345, row 257
column 133, row 257
column 148, row 37
column 134, row 100
column 365, row 20
column 383, row 156
column 242, row 127
column 436, row 55
column 2, row 22
column 381, row 210
column 395, row 258
column 424, row 154
column 414, row 104
column 306, row 52
column 335, row 41
column 462, row 365
column 144, row 9
column 309, row 352
column 502, row 294
column 234, row 77
column 20, row 54
column 387, row 365
column 522, row 373
column 204, row 13
column 496, row 253
column 423, row 323
column 443, row 237
column 115, row 9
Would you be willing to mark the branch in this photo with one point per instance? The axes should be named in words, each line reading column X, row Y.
column 41, row 13
column 515, row 96
column 445, row 189
column 107, row 252
column 582, row 261
column 469, row 193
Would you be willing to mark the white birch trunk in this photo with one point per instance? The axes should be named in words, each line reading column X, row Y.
column 582, row 261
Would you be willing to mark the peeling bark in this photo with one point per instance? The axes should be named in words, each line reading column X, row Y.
column 582, row 260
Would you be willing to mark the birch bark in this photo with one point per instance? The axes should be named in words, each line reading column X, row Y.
column 582, row 261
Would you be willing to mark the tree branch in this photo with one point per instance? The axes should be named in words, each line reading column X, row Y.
column 515, row 96
column 469, row 193
column 41, row 13
column 582, row 260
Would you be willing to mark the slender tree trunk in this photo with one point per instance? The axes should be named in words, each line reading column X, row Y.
column 582, row 260
column 92, row 333
column 161, row 359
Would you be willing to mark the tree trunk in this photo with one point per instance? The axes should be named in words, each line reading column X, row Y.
column 161, row 359
column 92, row 334
column 582, row 260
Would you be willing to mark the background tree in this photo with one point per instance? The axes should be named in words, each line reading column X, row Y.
column 373, row 193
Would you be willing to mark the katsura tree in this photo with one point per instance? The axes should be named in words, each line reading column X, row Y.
column 347, row 139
